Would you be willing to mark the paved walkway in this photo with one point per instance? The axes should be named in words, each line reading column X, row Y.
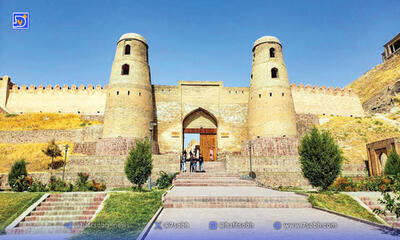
column 202, row 208
column 263, row 219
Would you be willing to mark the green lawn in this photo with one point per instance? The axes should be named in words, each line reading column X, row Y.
column 14, row 204
column 124, row 215
column 342, row 203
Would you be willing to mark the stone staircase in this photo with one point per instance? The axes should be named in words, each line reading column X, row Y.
column 372, row 202
column 61, row 213
column 216, row 188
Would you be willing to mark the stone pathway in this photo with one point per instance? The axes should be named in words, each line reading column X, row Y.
column 218, row 205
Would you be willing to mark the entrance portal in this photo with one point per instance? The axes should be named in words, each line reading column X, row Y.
column 201, row 122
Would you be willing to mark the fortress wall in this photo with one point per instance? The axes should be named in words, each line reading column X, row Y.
column 85, row 100
column 169, row 120
column 232, row 118
column 88, row 134
column 326, row 101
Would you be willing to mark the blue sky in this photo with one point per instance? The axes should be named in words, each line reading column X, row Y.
column 73, row 42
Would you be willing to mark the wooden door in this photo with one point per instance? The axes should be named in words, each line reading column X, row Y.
column 208, row 142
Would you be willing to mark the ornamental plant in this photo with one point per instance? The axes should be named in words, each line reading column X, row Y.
column 18, row 171
column 52, row 150
column 321, row 158
column 138, row 164
column 392, row 166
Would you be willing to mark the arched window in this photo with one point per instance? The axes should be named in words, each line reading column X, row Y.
column 272, row 52
column 127, row 49
column 274, row 73
column 125, row 69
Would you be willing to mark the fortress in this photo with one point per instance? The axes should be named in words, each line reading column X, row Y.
column 271, row 113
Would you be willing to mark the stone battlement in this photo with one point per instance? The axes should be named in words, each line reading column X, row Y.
column 322, row 89
column 57, row 88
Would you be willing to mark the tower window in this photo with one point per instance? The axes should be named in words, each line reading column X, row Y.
column 274, row 73
column 129, row 92
column 283, row 94
column 251, row 76
column 272, row 52
column 117, row 92
column 270, row 94
column 140, row 94
column 125, row 69
column 127, row 49
column 259, row 95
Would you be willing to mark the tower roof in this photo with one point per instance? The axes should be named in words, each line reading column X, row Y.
column 136, row 36
column 266, row 39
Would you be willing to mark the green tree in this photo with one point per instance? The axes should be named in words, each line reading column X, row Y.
column 18, row 170
column 52, row 150
column 392, row 166
column 138, row 164
column 320, row 157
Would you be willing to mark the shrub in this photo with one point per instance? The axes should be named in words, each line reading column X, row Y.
column 22, row 184
column 392, row 166
column 165, row 179
column 17, row 171
column 320, row 158
column 58, row 185
column 138, row 164
column 81, row 183
column 37, row 186
column 52, row 150
column 95, row 186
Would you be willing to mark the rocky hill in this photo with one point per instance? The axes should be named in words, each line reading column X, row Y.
column 377, row 80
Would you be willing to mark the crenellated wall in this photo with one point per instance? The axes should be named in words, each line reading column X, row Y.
column 326, row 101
column 87, row 100
column 228, row 105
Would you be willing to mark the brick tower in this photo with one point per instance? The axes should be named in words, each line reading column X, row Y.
column 271, row 109
column 129, row 104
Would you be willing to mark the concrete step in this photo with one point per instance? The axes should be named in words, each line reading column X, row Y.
column 75, row 223
column 213, row 182
column 235, row 202
column 207, row 175
column 47, row 229
column 62, row 208
column 64, row 212
column 69, row 204
column 66, row 218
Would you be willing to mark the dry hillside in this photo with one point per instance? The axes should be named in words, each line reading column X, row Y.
column 353, row 134
column 40, row 121
column 31, row 152
column 373, row 81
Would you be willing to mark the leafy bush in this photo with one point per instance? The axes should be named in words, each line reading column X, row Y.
column 320, row 158
column 138, row 164
column 22, row 184
column 96, row 187
column 37, row 186
column 58, row 185
column 375, row 184
column 165, row 179
column 391, row 201
column 17, row 171
column 392, row 166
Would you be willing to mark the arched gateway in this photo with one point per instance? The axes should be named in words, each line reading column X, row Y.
column 204, row 123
